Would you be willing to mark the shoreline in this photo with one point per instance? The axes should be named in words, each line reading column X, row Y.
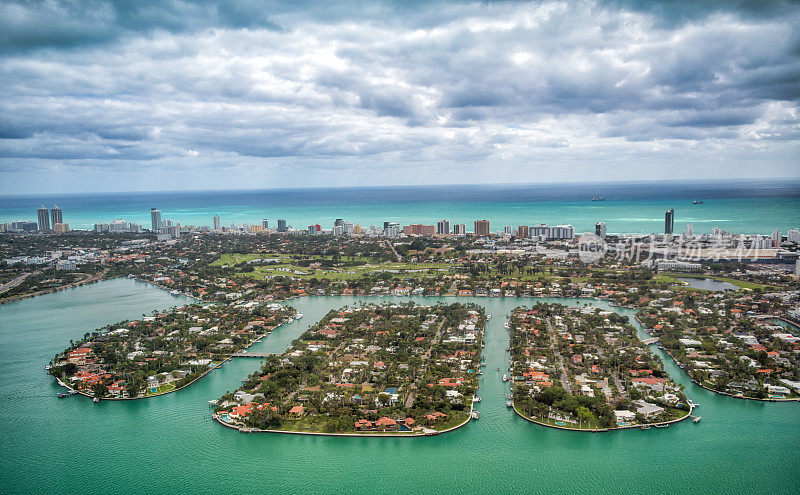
column 92, row 279
column 428, row 433
column 603, row 430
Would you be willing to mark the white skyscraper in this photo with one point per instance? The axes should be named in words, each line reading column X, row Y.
column 155, row 219
column 216, row 222
column 689, row 230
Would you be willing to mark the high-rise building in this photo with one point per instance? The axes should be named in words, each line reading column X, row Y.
column 669, row 221
column 523, row 232
column 776, row 237
column 793, row 236
column 55, row 215
column 265, row 224
column 507, row 229
column 600, row 229
column 44, row 219
column 460, row 229
column 392, row 229
column 552, row 232
column 155, row 220
column 338, row 223
column 60, row 228
column 689, row 230
column 481, row 227
column 443, row 227
column 282, row 225
column 217, row 223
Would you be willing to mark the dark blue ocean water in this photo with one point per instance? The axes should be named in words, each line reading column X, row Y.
column 744, row 206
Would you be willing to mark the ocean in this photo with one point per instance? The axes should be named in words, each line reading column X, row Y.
column 740, row 206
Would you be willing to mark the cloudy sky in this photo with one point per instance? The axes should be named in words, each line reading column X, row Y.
column 131, row 95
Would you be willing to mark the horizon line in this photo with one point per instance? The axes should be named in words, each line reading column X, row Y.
column 474, row 184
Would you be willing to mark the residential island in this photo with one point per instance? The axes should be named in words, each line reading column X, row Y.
column 729, row 343
column 400, row 369
column 163, row 352
column 586, row 369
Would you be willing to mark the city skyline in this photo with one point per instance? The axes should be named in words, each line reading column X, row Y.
column 200, row 96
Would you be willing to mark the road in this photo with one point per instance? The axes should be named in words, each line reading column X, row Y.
column 15, row 282
column 391, row 246
column 412, row 395
column 564, row 377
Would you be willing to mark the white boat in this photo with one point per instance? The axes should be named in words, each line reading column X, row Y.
column 696, row 419
column 475, row 415
column 290, row 320
column 176, row 292
column 476, row 399
column 298, row 316
column 509, row 403
column 505, row 378
column 506, row 325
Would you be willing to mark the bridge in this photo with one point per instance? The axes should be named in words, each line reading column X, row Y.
column 650, row 341
column 260, row 355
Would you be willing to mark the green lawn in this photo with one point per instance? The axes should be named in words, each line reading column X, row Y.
column 333, row 273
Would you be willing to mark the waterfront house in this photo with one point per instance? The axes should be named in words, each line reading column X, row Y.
column 647, row 409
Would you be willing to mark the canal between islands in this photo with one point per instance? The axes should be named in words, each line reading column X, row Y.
column 171, row 444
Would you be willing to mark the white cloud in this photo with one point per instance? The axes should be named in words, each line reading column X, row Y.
column 518, row 87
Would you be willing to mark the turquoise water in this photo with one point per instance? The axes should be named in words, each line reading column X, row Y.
column 753, row 206
column 170, row 445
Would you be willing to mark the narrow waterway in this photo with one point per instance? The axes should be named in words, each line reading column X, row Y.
column 169, row 443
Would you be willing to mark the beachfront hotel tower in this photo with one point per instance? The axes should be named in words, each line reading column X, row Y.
column 55, row 216
column 600, row 229
column 44, row 219
column 669, row 221
column 443, row 227
column 481, row 227
column 155, row 219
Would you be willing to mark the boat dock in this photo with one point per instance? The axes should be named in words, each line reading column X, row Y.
column 260, row 355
